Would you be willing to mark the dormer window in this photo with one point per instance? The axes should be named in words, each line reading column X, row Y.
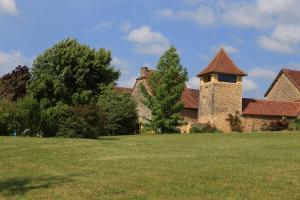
column 227, row 78
column 207, row 79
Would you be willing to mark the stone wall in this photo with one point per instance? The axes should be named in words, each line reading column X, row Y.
column 217, row 101
column 143, row 111
column 255, row 123
column 283, row 90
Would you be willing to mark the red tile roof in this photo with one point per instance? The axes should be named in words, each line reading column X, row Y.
column 293, row 76
column 270, row 108
column 222, row 63
column 123, row 90
column 190, row 98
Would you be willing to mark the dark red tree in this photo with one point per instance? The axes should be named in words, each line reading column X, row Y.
column 14, row 85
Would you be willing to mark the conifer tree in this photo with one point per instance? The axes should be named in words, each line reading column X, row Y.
column 163, row 96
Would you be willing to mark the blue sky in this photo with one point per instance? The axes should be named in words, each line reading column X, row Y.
column 261, row 36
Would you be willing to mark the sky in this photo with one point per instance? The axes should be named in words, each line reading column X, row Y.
column 261, row 36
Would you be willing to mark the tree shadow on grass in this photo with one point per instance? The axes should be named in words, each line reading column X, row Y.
column 20, row 186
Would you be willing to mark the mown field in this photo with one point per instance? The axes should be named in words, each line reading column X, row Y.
column 200, row 166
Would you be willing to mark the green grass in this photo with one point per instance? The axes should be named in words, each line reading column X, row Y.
column 199, row 166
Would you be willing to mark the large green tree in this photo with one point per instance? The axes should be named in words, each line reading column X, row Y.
column 71, row 73
column 163, row 97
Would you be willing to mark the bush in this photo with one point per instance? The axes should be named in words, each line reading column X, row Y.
column 8, row 118
column 276, row 125
column 28, row 116
column 51, row 119
column 84, row 122
column 22, row 117
column 121, row 112
column 204, row 128
column 76, row 122
column 294, row 125
column 235, row 122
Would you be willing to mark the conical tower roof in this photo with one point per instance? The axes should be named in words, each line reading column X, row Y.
column 222, row 63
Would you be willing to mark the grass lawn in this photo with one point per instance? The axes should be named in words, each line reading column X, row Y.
column 200, row 166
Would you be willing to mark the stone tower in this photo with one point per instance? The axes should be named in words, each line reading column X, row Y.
column 220, row 91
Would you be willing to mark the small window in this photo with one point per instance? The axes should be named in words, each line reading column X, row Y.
column 226, row 78
column 207, row 79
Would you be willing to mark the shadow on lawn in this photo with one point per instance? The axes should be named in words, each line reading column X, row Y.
column 20, row 186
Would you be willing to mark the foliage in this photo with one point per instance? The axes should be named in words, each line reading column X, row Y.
column 276, row 125
column 8, row 117
column 235, row 122
column 121, row 112
column 164, row 98
column 14, row 84
column 82, row 121
column 70, row 73
column 29, row 116
column 204, row 128
column 52, row 118
column 22, row 117
column 86, row 121
column 294, row 125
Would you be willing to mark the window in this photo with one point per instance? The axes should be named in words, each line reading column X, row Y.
column 207, row 79
column 226, row 78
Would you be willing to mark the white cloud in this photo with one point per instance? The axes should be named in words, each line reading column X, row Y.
column 261, row 73
column 191, row 2
column 145, row 35
column 274, row 45
column 193, row 83
column 147, row 41
column 122, row 65
column 8, row 61
column 9, row 7
column 203, row 15
column 228, row 48
column 249, row 85
column 245, row 16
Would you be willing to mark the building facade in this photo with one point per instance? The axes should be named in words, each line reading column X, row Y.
column 221, row 94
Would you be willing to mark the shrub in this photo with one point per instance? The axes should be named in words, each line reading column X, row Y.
column 28, row 116
column 8, row 118
column 51, row 119
column 204, row 128
column 235, row 122
column 276, row 125
column 22, row 117
column 121, row 112
column 294, row 125
column 84, row 122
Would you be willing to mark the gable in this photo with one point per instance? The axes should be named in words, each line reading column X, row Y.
column 292, row 75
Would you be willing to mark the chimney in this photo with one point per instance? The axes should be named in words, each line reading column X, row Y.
column 144, row 71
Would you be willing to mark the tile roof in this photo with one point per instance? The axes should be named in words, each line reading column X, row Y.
column 123, row 90
column 293, row 76
column 270, row 108
column 222, row 63
column 190, row 98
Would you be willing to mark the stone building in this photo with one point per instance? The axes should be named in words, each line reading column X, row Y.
column 285, row 87
column 220, row 94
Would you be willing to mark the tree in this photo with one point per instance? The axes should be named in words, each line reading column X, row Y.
column 71, row 73
column 163, row 97
column 14, row 84
column 121, row 112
